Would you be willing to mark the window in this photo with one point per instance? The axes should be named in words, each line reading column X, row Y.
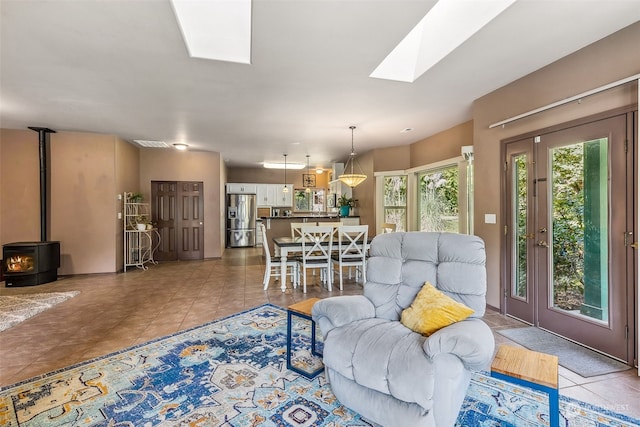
column 444, row 197
column 438, row 200
column 436, row 197
column 395, row 201
column 312, row 201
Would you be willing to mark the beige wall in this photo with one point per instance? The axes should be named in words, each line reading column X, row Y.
column 442, row 146
column 127, row 176
column 83, row 208
column 83, row 194
column 20, row 194
column 392, row 158
column 364, row 194
column 608, row 60
column 173, row 165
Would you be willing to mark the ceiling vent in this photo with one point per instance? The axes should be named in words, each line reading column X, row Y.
column 151, row 144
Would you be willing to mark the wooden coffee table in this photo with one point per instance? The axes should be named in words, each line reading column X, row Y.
column 532, row 369
column 302, row 309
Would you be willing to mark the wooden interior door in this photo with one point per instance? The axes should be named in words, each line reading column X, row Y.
column 178, row 213
column 191, row 223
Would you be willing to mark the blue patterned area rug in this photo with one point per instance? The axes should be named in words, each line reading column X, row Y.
column 232, row 372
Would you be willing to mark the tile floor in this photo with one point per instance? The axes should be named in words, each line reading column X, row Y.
column 115, row 311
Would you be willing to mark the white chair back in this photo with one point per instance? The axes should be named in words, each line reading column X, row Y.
column 273, row 268
column 352, row 250
column 317, row 244
column 352, row 242
column 296, row 228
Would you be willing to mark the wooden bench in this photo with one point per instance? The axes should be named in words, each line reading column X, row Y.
column 532, row 369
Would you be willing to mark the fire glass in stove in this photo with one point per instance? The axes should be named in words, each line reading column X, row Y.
column 30, row 263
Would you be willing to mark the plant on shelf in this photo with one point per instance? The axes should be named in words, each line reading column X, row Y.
column 345, row 201
column 135, row 198
column 142, row 222
column 345, row 204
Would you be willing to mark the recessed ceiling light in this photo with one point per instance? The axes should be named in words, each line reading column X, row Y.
column 151, row 144
column 219, row 30
column 446, row 26
column 319, row 170
column 405, row 130
column 180, row 146
column 271, row 165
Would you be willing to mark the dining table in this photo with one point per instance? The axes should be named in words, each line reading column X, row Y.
column 286, row 246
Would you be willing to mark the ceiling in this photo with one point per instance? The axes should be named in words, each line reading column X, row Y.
column 122, row 68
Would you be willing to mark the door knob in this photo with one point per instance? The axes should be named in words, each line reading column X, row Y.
column 542, row 244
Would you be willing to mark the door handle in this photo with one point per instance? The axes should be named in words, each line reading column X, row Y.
column 634, row 245
column 542, row 244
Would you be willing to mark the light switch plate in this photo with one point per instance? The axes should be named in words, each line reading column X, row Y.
column 489, row 218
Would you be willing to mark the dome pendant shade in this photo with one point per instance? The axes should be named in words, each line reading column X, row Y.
column 351, row 178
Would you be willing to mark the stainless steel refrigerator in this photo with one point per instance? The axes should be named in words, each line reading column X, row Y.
column 241, row 220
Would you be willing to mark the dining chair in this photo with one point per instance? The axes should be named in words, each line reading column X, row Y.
column 272, row 268
column 388, row 227
column 296, row 227
column 352, row 250
column 317, row 244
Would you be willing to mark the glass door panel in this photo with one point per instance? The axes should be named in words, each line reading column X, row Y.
column 580, row 228
column 583, row 175
column 519, row 220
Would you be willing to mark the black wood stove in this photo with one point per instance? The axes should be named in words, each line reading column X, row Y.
column 34, row 263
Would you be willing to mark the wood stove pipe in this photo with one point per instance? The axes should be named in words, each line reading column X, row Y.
column 44, row 179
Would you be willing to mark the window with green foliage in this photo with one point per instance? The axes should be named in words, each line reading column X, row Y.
column 438, row 200
column 395, row 201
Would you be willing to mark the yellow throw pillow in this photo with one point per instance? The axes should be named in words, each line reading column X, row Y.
column 432, row 310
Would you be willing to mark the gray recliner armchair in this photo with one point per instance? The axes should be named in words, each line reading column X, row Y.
column 383, row 370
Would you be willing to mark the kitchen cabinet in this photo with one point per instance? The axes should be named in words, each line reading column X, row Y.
column 241, row 188
column 271, row 195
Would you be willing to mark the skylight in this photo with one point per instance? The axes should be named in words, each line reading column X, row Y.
column 446, row 26
column 219, row 30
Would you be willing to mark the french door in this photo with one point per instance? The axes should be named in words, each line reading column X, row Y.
column 569, row 207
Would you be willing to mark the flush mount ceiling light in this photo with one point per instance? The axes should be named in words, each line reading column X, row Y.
column 219, row 30
column 446, row 26
column 180, row 146
column 319, row 170
column 350, row 178
column 271, row 165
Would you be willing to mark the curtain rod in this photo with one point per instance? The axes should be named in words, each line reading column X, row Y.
column 567, row 100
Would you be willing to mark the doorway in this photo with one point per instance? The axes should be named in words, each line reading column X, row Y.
column 569, row 198
column 178, row 212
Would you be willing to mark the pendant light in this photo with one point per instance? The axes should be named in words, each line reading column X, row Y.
column 308, row 189
column 350, row 178
column 285, row 189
